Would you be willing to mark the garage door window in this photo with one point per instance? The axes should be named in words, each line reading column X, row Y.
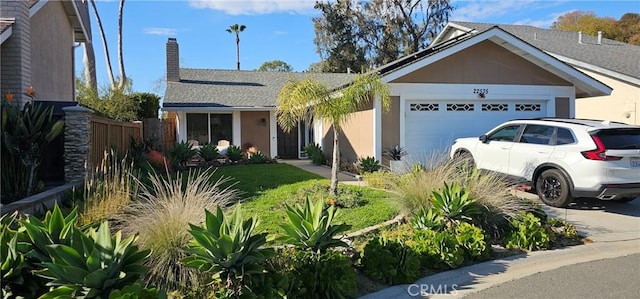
column 528, row 107
column 495, row 107
column 424, row 107
column 459, row 107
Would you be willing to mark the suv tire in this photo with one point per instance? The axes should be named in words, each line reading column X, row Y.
column 553, row 188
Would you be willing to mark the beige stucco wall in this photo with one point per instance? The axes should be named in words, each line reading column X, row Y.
column 391, row 127
column 253, row 131
column 624, row 101
column 357, row 136
column 486, row 63
column 52, row 50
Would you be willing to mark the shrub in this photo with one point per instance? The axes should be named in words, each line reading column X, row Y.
column 310, row 227
column 108, row 191
column 158, row 161
column 528, row 233
column 368, row 165
column 161, row 216
column 95, row 264
column 148, row 104
column 181, row 153
column 227, row 249
column 298, row 273
column 234, row 153
column 209, row 152
column 390, row 262
column 137, row 291
column 314, row 152
column 438, row 249
column 345, row 198
column 394, row 153
column 380, row 180
column 473, row 240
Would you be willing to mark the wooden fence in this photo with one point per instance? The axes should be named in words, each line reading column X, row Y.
column 109, row 134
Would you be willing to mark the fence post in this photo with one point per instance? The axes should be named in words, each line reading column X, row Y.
column 77, row 143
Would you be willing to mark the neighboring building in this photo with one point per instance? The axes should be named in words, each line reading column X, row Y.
column 460, row 87
column 236, row 106
column 614, row 63
column 39, row 41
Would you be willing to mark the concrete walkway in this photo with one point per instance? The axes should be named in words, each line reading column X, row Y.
column 325, row 171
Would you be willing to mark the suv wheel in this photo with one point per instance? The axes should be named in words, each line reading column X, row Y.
column 553, row 188
column 466, row 158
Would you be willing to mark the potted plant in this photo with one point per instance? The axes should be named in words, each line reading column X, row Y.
column 395, row 155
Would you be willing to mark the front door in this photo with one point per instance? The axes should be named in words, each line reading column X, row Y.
column 288, row 143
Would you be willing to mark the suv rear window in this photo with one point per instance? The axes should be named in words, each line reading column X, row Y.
column 620, row 138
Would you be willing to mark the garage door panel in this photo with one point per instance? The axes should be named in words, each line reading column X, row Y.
column 432, row 126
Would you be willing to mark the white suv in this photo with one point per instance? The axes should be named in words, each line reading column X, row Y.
column 561, row 158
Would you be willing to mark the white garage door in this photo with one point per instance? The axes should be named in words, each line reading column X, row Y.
column 431, row 126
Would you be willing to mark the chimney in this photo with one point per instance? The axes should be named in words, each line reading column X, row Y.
column 173, row 57
column 579, row 37
column 599, row 37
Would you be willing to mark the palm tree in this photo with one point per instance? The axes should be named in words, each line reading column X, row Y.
column 237, row 29
column 307, row 99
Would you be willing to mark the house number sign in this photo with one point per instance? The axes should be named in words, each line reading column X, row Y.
column 480, row 90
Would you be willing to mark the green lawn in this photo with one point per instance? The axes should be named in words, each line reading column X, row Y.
column 268, row 187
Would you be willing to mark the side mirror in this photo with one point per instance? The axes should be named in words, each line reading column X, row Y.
column 484, row 138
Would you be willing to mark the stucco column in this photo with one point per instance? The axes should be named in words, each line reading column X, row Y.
column 77, row 143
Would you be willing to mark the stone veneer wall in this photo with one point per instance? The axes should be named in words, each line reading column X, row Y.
column 77, row 147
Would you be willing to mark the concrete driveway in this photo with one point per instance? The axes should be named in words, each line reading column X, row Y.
column 600, row 221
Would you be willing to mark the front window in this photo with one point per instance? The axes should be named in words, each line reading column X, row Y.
column 197, row 127
column 209, row 128
column 221, row 127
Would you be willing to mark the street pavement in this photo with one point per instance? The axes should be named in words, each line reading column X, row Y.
column 607, row 266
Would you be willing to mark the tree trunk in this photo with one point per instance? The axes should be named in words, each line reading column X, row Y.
column 335, row 165
column 104, row 44
column 123, row 75
column 89, row 62
column 238, row 50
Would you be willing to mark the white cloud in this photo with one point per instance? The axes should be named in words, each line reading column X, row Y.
column 476, row 11
column 255, row 7
column 160, row 31
column 542, row 23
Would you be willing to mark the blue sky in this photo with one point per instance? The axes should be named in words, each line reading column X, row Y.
column 276, row 29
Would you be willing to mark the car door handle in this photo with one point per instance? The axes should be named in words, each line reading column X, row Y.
column 542, row 152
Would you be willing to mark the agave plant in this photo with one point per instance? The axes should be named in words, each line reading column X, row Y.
column 227, row 248
column 93, row 265
column 310, row 227
column 427, row 218
column 12, row 251
column 454, row 204
column 54, row 229
column 368, row 165
column 234, row 153
column 209, row 152
column 181, row 153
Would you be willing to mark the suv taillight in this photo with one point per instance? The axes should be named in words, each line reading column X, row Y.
column 599, row 152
